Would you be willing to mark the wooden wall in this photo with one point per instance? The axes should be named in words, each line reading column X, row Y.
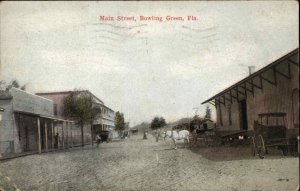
column 281, row 98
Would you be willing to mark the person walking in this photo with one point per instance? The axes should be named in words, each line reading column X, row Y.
column 145, row 135
column 98, row 140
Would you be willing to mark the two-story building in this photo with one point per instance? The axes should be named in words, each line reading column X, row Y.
column 104, row 119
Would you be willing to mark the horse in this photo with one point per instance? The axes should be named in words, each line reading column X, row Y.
column 175, row 136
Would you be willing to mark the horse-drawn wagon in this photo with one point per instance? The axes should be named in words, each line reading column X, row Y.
column 213, row 137
column 208, row 135
column 271, row 131
column 105, row 136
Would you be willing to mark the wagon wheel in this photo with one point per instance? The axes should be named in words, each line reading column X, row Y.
column 285, row 148
column 293, row 147
column 191, row 141
column 261, row 149
column 252, row 146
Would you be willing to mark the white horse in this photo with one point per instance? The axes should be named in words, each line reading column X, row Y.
column 175, row 136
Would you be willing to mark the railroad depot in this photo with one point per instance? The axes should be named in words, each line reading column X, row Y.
column 274, row 88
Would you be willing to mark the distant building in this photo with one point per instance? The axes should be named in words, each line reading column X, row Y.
column 104, row 119
column 274, row 88
column 28, row 124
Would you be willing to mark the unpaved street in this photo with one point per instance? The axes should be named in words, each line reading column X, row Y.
column 136, row 164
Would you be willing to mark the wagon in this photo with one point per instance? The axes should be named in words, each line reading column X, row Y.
column 271, row 131
column 207, row 137
column 105, row 136
column 213, row 137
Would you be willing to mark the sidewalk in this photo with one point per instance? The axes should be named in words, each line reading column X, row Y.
column 16, row 155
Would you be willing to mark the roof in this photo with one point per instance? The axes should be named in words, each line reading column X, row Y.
column 255, row 74
column 68, row 92
column 207, row 120
column 9, row 94
column 42, row 116
column 105, row 106
column 80, row 91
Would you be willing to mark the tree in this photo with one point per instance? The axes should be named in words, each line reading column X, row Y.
column 195, row 122
column 13, row 83
column 157, row 122
column 80, row 108
column 119, row 121
column 208, row 112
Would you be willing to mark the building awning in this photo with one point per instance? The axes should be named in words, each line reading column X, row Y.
column 240, row 88
column 42, row 116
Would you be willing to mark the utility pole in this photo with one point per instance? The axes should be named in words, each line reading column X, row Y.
column 196, row 110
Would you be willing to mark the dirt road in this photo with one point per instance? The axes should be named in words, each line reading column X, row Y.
column 136, row 164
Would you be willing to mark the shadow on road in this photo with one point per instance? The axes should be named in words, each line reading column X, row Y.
column 170, row 149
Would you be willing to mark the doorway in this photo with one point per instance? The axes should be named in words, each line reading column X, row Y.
column 243, row 115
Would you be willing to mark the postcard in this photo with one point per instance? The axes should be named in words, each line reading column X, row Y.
column 149, row 95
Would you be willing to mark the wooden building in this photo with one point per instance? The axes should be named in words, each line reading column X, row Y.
column 28, row 124
column 104, row 119
column 274, row 88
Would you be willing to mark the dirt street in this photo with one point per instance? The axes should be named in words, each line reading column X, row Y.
column 136, row 164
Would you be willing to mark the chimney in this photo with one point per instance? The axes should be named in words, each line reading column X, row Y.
column 251, row 69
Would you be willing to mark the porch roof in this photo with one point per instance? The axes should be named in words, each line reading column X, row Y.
column 42, row 116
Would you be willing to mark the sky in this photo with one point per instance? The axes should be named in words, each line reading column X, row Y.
column 143, row 68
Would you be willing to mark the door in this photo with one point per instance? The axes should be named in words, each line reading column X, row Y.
column 26, row 139
column 295, row 107
column 243, row 115
column 43, row 137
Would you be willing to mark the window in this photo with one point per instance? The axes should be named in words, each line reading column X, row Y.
column 55, row 109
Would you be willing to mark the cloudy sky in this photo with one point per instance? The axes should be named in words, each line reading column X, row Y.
column 143, row 68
